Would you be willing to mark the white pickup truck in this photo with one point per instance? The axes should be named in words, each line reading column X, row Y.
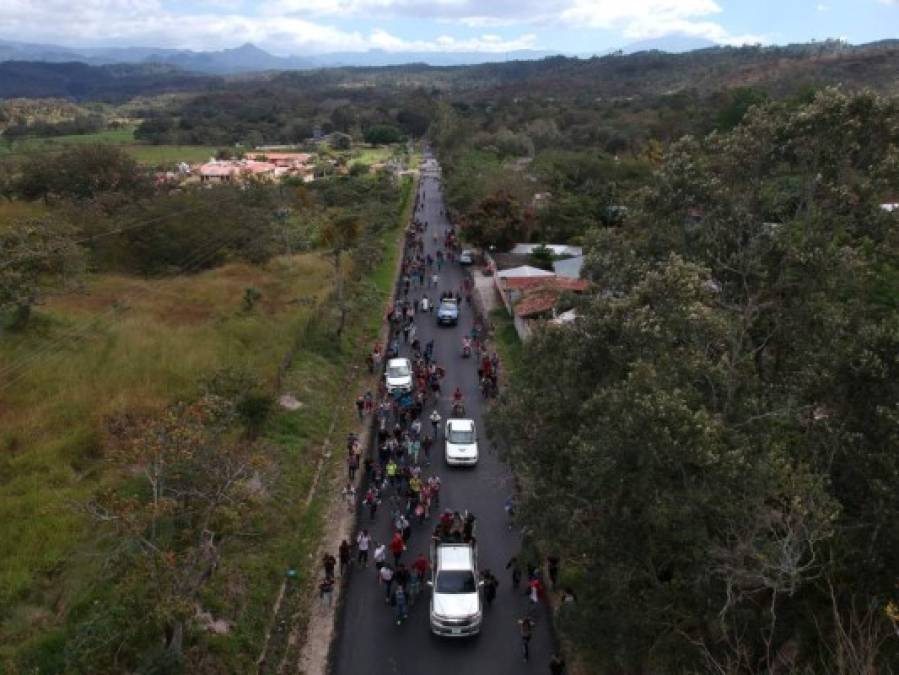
column 456, row 609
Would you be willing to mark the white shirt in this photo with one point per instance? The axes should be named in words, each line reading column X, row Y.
column 363, row 542
column 386, row 573
column 380, row 553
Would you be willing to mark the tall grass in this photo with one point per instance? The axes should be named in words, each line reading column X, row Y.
column 152, row 351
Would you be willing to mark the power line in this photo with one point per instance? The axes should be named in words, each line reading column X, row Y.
column 18, row 369
column 194, row 261
column 119, row 230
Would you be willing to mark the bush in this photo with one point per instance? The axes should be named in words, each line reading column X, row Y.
column 382, row 134
column 82, row 173
column 359, row 169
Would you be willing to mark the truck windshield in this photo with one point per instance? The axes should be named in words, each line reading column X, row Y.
column 398, row 371
column 461, row 436
column 455, row 582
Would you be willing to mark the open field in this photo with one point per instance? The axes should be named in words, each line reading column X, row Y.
column 121, row 136
column 163, row 339
column 371, row 154
column 140, row 345
column 124, row 138
column 165, row 336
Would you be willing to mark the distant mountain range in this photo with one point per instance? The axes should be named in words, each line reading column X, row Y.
column 247, row 58
column 80, row 81
column 672, row 44
column 250, row 58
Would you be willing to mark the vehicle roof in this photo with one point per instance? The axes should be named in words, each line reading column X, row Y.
column 449, row 301
column 461, row 424
column 455, row 557
column 398, row 362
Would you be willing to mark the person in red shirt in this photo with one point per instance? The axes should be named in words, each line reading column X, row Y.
column 397, row 546
column 420, row 566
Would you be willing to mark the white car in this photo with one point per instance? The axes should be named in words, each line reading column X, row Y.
column 455, row 597
column 461, row 442
column 466, row 257
column 398, row 376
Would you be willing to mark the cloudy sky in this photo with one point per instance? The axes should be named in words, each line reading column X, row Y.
column 316, row 26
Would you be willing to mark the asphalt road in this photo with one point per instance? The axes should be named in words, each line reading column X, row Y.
column 368, row 641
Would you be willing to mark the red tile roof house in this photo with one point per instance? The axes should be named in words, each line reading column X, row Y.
column 502, row 278
column 512, row 288
column 539, row 298
column 284, row 159
column 227, row 171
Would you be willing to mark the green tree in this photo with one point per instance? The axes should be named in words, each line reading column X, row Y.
column 542, row 257
column 194, row 488
column 737, row 103
column 707, row 444
column 383, row 134
column 495, row 221
column 83, row 172
column 339, row 236
column 341, row 141
column 413, row 122
column 35, row 256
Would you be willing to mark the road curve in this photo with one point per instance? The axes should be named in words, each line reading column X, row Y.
column 368, row 642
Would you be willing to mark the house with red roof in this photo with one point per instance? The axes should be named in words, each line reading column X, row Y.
column 235, row 170
column 537, row 300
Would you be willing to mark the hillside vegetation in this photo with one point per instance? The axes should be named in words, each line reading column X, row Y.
column 155, row 352
column 711, row 446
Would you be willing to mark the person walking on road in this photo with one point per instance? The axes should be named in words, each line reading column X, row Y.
column 380, row 556
column 326, row 591
column 557, row 665
column 435, row 422
column 343, row 554
column 516, row 571
column 386, row 577
column 399, row 603
column 526, row 630
column 329, row 562
column 363, row 543
column 490, row 585
column 349, row 494
column 397, row 546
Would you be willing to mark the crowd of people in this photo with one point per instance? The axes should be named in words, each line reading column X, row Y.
column 397, row 476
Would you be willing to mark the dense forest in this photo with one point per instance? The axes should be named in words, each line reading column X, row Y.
column 711, row 446
column 79, row 81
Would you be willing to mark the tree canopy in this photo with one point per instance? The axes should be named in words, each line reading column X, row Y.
column 712, row 443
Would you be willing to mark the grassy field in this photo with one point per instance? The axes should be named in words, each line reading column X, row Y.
column 130, row 344
column 124, row 138
column 152, row 350
column 170, row 154
column 371, row 155
column 111, row 136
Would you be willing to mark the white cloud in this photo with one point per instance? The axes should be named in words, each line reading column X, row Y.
column 302, row 26
column 821, row 7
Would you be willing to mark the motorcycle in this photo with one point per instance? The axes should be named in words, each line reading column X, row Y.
column 466, row 349
column 458, row 409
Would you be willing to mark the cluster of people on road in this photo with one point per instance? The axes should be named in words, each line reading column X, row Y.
column 398, row 478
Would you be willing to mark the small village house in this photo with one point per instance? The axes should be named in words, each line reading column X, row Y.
column 538, row 302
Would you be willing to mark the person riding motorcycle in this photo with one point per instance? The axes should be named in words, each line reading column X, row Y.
column 466, row 346
column 457, row 395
